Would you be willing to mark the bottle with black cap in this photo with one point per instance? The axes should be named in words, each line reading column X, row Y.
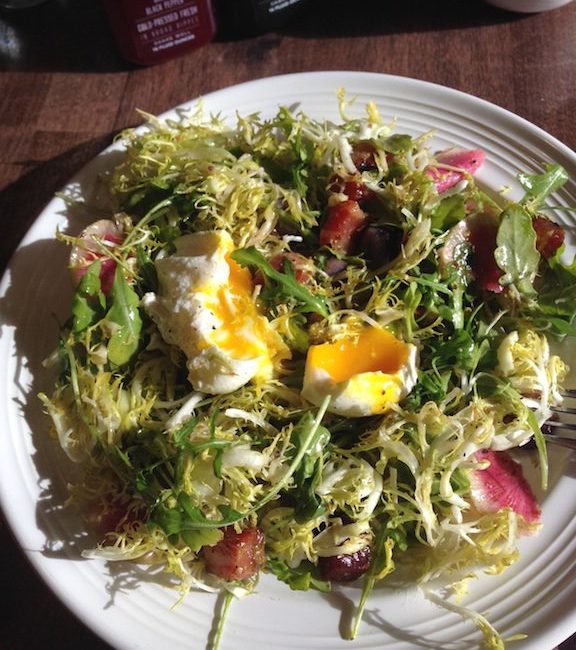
column 241, row 18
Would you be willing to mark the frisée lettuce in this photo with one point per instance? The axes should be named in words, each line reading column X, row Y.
column 346, row 257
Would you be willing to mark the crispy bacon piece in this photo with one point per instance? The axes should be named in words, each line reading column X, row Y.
column 237, row 556
column 300, row 264
column 549, row 235
column 363, row 156
column 355, row 190
column 358, row 191
column 345, row 568
column 343, row 223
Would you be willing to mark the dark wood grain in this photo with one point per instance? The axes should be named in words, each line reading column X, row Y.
column 65, row 92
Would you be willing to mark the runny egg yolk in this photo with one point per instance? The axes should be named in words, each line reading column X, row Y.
column 363, row 373
column 243, row 333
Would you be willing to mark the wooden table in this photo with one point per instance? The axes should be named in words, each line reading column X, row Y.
column 65, row 92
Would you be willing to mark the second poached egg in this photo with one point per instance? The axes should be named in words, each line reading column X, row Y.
column 363, row 373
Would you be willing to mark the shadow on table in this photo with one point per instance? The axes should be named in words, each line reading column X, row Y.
column 34, row 303
column 20, row 206
column 33, row 619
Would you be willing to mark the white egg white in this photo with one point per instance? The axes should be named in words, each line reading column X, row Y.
column 193, row 311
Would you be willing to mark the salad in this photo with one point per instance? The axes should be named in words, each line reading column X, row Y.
column 310, row 349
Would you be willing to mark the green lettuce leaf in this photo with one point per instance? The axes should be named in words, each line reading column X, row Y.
column 538, row 187
column 285, row 282
column 125, row 316
column 516, row 252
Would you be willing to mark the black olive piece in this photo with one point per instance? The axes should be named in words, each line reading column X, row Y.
column 380, row 244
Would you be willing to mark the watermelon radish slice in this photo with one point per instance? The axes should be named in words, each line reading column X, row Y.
column 453, row 165
column 502, row 485
column 92, row 244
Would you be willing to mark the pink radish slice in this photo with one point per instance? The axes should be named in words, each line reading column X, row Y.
column 502, row 485
column 453, row 165
column 92, row 240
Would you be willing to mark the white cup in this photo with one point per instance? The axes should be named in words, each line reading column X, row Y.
column 528, row 6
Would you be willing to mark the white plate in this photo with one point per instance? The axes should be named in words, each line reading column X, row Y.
column 127, row 606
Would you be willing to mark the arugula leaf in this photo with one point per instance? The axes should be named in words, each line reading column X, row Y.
column 168, row 519
column 541, row 447
column 299, row 339
column 398, row 143
column 538, row 187
column 186, row 516
column 125, row 316
column 88, row 301
column 458, row 350
column 309, row 472
column 516, row 252
column 285, row 281
column 227, row 597
column 300, row 578
column 304, row 151
column 558, row 301
column 560, row 327
column 147, row 270
column 182, row 434
column 555, row 309
column 432, row 385
column 187, row 449
column 448, row 212
column 382, row 564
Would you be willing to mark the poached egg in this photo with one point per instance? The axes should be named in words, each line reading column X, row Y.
column 205, row 307
column 364, row 372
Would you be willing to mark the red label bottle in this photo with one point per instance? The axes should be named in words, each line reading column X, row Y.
column 152, row 31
